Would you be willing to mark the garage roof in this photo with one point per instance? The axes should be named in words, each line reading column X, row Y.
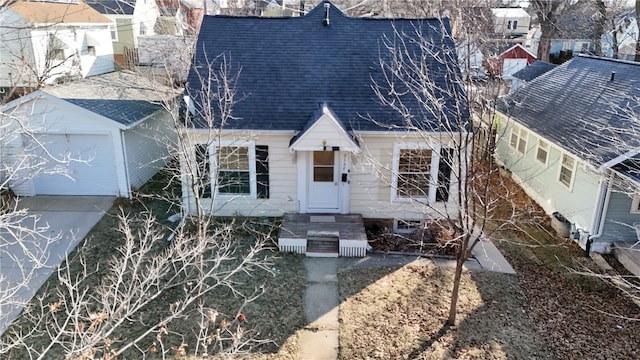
column 124, row 97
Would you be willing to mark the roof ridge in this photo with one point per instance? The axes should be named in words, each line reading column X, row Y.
column 628, row 62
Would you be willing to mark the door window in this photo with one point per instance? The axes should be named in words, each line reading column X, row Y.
column 323, row 165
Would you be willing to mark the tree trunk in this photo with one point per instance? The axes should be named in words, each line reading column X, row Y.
column 600, row 26
column 614, row 44
column 453, row 307
column 637, row 57
column 544, row 47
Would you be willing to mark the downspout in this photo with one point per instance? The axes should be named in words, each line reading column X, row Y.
column 600, row 211
column 126, row 165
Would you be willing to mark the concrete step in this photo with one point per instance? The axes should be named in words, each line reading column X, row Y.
column 629, row 256
column 325, row 244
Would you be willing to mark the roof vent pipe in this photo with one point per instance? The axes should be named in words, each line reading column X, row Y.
column 325, row 22
column 613, row 75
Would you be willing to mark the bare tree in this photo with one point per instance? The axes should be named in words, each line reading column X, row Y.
column 637, row 57
column 159, row 293
column 550, row 13
column 434, row 105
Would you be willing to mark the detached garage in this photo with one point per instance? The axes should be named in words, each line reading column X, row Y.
column 98, row 136
column 508, row 60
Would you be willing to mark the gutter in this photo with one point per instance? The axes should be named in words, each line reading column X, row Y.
column 615, row 161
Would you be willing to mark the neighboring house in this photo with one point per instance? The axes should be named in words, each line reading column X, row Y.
column 130, row 19
column 301, row 138
column 626, row 36
column 508, row 59
column 188, row 13
column 44, row 42
column 113, row 127
column 511, row 22
column 575, row 34
column 523, row 76
column 568, row 138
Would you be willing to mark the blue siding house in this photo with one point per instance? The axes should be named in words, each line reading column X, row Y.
column 571, row 138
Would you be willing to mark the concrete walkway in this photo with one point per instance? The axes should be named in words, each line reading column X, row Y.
column 26, row 264
column 319, row 340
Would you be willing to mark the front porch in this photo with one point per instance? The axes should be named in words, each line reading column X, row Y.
column 323, row 235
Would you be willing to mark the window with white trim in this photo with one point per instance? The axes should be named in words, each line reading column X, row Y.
column 635, row 205
column 518, row 140
column 542, row 152
column 415, row 172
column 230, row 170
column 235, row 170
column 567, row 170
column 114, row 32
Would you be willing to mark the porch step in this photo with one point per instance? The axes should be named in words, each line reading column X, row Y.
column 628, row 254
column 328, row 244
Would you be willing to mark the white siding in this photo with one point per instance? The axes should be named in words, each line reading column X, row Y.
column 15, row 45
column 325, row 133
column 145, row 14
column 282, row 181
column 102, row 61
column 370, row 183
column 23, row 51
column 147, row 148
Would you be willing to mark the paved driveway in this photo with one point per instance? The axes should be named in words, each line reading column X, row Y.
column 31, row 261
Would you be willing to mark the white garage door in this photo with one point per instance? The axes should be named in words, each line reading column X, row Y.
column 93, row 174
column 512, row 66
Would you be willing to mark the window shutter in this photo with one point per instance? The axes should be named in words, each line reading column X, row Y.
column 203, row 175
column 444, row 174
column 262, row 171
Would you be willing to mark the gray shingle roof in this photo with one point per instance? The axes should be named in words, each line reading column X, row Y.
column 126, row 112
column 534, row 70
column 579, row 108
column 112, row 7
column 288, row 67
column 123, row 96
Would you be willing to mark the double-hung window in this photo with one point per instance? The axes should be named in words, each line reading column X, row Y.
column 238, row 169
column 567, row 171
column 234, row 170
column 415, row 172
column 518, row 139
column 542, row 153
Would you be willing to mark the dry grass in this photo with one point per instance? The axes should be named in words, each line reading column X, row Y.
column 399, row 313
column 580, row 317
column 274, row 316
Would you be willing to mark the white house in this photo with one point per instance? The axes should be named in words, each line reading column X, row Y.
column 130, row 20
column 103, row 135
column 626, row 35
column 511, row 22
column 307, row 133
column 44, row 42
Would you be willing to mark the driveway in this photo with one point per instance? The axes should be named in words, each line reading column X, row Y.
column 27, row 264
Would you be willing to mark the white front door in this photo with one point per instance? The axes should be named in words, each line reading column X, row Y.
column 323, row 190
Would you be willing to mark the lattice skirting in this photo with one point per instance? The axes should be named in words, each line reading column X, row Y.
column 298, row 246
